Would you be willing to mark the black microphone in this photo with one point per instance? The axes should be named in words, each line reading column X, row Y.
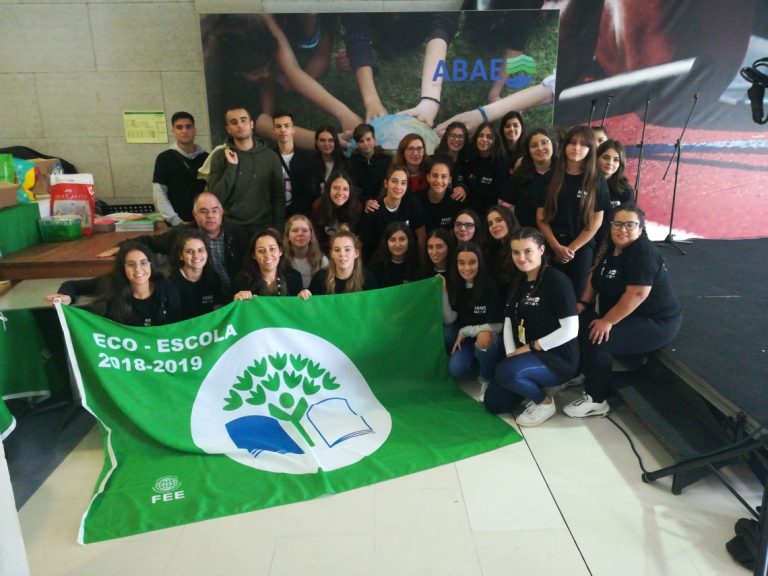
column 756, row 94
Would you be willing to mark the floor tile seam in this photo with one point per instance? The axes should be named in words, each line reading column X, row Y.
column 557, row 504
column 469, row 520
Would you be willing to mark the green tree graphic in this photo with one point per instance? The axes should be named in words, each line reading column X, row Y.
column 283, row 389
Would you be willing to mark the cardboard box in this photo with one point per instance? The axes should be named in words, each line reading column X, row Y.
column 8, row 194
column 45, row 167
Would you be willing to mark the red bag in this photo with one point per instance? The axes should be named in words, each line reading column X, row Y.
column 74, row 197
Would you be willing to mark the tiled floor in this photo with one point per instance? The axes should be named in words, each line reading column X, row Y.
column 567, row 500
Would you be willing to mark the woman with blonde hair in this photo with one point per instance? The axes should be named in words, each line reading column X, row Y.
column 301, row 248
column 345, row 271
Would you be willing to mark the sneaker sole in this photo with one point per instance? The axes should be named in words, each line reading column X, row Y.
column 592, row 414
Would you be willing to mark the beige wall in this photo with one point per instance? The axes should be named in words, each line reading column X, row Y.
column 68, row 70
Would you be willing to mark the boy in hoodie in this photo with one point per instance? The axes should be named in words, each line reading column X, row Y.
column 246, row 176
column 368, row 163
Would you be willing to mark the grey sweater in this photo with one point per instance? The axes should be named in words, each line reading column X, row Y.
column 250, row 191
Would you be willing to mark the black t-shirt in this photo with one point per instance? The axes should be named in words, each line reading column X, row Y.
column 568, row 222
column 374, row 223
column 197, row 298
column 318, row 284
column 535, row 314
column 179, row 175
column 619, row 196
column 438, row 215
column 527, row 196
column 487, row 310
column 485, row 180
column 639, row 264
column 162, row 307
column 392, row 273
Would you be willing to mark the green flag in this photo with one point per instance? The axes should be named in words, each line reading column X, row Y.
column 268, row 402
column 7, row 421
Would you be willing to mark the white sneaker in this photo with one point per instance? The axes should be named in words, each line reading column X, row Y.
column 535, row 414
column 483, row 387
column 585, row 406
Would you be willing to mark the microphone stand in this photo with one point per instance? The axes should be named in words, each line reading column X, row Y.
column 641, row 146
column 670, row 239
column 592, row 111
column 607, row 105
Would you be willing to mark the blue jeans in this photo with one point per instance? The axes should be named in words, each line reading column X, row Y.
column 460, row 363
column 518, row 377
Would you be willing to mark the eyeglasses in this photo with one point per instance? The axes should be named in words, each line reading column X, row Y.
column 417, row 149
column 464, row 225
column 628, row 226
column 456, row 136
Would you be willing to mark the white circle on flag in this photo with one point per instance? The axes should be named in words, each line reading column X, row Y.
column 308, row 406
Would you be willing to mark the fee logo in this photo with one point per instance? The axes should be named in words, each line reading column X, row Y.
column 284, row 400
column 168, row 489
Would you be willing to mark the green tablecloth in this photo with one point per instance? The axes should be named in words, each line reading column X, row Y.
column 27, row 369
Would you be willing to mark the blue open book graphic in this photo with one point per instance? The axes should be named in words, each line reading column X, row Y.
column 336, row 422
column 258, row 433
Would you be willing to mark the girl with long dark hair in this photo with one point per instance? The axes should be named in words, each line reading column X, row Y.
column 338, row 205
column 134, row 292
column 540, row 330
column 501, row 225
column 265, row 271
column 475, row 304
column 572, row 211
column 530, row 177
column 193, row 276
column 328, row 156
column 396, row 260
column 512, row 129
column 397, row 205
column 439, row 254
column 455, row 144
column 486, row 173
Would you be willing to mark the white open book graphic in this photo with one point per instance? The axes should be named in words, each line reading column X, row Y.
column 336, row 422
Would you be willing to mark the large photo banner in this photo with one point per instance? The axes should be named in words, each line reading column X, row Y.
column 402, row 71
column 641, row 69
column 620, row 61
column 268, row 402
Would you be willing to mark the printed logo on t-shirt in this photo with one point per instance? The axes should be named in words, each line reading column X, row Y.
column 615, row 203
column 610, row 274
column 207, row 299
column 581, row 194
column 487, row 180
column 480, row 309
column 445, row 221
column 532, row 301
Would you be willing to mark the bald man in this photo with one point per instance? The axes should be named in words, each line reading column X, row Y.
column 228, row 241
